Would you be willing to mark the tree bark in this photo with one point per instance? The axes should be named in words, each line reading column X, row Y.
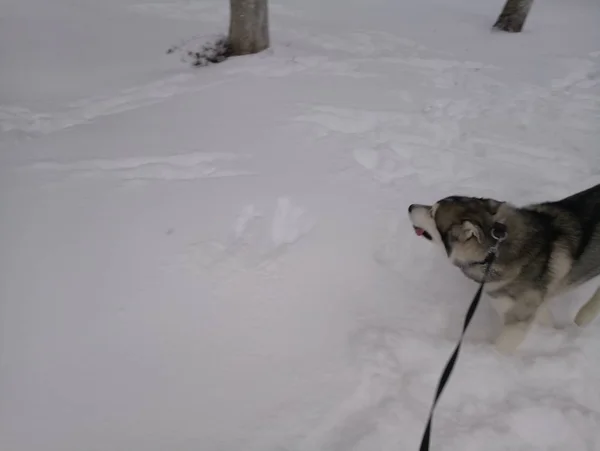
column 513, row 16
column 249, row 26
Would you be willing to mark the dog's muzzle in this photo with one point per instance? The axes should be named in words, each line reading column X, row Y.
column 419, row 230
column 422, row 232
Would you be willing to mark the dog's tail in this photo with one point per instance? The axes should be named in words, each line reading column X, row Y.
column 589, row 311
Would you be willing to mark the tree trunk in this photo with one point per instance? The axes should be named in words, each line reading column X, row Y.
column 249, row 26
column 513, row 16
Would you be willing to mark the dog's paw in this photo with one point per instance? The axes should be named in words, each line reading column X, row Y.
column 544, row 317
column 589, row 311
column 510, row 338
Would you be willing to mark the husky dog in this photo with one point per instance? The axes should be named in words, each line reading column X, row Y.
column 550, row 248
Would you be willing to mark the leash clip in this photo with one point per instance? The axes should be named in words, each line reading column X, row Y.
column 499, row 234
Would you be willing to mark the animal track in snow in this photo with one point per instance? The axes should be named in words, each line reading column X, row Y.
column 350, row 121
column 389, row 388
column 397, row 145
column 22, row 120
column 190, row 166
column 361, row 44
column 281, row 62
column 248, row 214
column 289, row 223
column 441, row 136
column 255, row 239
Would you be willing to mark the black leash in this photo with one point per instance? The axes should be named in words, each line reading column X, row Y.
column 498, row 234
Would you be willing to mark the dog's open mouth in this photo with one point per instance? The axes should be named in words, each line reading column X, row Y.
column 422, row 232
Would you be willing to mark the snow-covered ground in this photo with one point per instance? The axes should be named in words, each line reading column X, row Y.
column 219, row 259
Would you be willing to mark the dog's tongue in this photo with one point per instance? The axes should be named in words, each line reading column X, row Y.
column 419, row 231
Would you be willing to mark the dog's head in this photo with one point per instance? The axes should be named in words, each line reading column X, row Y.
column 461, row 225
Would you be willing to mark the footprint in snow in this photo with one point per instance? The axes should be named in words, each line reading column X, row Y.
column 290, row 223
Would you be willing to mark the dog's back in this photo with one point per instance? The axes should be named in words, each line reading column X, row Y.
column 584, row 208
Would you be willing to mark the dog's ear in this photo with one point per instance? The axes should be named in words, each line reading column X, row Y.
column 491, row 205
column 470, row 230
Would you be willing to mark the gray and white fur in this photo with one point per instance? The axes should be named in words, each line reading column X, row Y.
column 550, row 248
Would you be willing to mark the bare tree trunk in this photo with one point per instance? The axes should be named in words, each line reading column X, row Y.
column 249, row 26
column 513, row 16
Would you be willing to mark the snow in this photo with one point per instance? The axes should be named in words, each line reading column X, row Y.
column 220, row 258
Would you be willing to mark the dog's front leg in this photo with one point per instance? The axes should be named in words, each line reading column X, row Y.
column 589, row 311
column 518, row 320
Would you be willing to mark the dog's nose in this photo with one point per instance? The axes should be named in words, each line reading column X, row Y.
column 410, row 207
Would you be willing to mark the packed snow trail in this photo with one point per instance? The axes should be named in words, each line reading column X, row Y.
column 220, row 259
